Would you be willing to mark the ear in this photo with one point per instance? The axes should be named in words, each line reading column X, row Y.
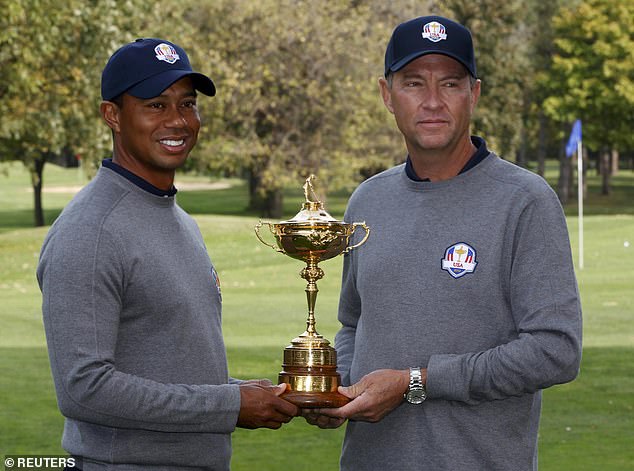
column 110, row 114
column 475, row 94
column 386, row 93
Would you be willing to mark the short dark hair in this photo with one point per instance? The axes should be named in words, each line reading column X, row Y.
column 118, row 100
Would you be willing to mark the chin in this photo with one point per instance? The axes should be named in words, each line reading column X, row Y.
column 169, row 163
column 430, row 144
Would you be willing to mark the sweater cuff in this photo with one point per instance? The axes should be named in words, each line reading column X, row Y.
column 225, row 414
column 447, row 378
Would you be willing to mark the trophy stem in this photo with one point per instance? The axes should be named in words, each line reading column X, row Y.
column 311, row 274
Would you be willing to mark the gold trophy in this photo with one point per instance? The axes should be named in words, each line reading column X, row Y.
column 310, row 363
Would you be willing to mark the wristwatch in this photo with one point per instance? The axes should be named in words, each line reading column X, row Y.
column 416, row 393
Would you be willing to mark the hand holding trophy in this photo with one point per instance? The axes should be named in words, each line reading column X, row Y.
column 310, row 363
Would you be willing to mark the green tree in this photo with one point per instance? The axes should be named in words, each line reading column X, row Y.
column 51, row 56
column 500, row 41
column 537, row 137
column 592, row 76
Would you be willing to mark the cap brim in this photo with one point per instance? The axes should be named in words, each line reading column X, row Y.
column 155, row 85
column 407, row 59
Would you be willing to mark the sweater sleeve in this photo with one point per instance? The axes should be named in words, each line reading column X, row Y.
column 545, row 307
column 349, row 313
column 81, row 283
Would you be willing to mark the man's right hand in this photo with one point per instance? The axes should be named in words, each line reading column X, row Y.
column 260, row 406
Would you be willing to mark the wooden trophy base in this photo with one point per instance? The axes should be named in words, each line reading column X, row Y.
column 314, row 400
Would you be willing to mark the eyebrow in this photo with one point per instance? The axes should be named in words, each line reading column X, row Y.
column 411, row 74
column 453, row 76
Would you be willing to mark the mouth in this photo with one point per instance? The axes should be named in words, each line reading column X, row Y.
column 174, row 145
column 432, row 123
column 172, row 142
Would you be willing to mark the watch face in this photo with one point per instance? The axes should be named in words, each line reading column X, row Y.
column 416, row 396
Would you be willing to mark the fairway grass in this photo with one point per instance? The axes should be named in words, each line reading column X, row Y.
column 586, row 425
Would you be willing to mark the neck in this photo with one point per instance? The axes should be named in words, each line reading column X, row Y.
column 163, row 179
column 438, row 165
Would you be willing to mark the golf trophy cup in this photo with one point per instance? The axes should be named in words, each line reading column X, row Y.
column 310, row 363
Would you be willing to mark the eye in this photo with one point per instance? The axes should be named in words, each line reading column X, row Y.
column 156, row 105
column 189, row 104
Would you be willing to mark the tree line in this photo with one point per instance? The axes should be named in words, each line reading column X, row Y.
column 297, row 82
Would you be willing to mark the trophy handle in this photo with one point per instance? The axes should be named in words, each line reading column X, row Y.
column 367, row 234
column 257, row 234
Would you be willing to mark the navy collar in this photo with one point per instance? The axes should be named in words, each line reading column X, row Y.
column 479, row 155
column 138, row 181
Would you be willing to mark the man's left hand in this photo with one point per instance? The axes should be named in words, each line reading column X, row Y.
column 373, row 397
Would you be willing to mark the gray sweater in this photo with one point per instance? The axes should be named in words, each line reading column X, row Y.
column 471, row 278
column 132, row 313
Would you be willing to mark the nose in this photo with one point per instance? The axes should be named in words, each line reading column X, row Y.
column 175, row 117
column 431, row 97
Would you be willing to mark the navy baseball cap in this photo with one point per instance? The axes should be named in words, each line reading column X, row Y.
column 429, row 35
column 146, row 67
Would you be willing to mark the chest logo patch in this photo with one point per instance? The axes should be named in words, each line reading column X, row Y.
column 459, row 260
column 216, row 280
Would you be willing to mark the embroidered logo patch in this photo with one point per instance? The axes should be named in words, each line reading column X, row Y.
column 459, row 260
column 434, row 31
column 165, row 52
column 216, row 280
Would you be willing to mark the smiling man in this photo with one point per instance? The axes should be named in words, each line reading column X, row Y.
column 463, row 305
column 131, row 300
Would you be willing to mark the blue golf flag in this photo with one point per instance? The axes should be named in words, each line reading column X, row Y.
column 575, row 137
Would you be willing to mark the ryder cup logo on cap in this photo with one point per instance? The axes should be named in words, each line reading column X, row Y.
column 165, row 52
column 434, row 31
column 459, row 260
column 148, row 66
column 429, row 35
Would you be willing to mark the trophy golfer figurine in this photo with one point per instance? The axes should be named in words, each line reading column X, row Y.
column 310, row 363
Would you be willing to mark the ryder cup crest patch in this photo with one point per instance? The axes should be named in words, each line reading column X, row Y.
column 434, row 31
column 165, row 52
column 216, row 280
column 459, row 260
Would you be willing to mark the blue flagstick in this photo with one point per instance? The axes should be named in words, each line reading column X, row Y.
column 574, row 139
column 575, row 143
column 580, row 199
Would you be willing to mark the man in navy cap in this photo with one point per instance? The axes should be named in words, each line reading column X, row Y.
column 463, row 305
column 131, row 300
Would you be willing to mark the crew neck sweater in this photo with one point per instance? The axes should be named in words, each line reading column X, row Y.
column 132, row 314
column 472, row 279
